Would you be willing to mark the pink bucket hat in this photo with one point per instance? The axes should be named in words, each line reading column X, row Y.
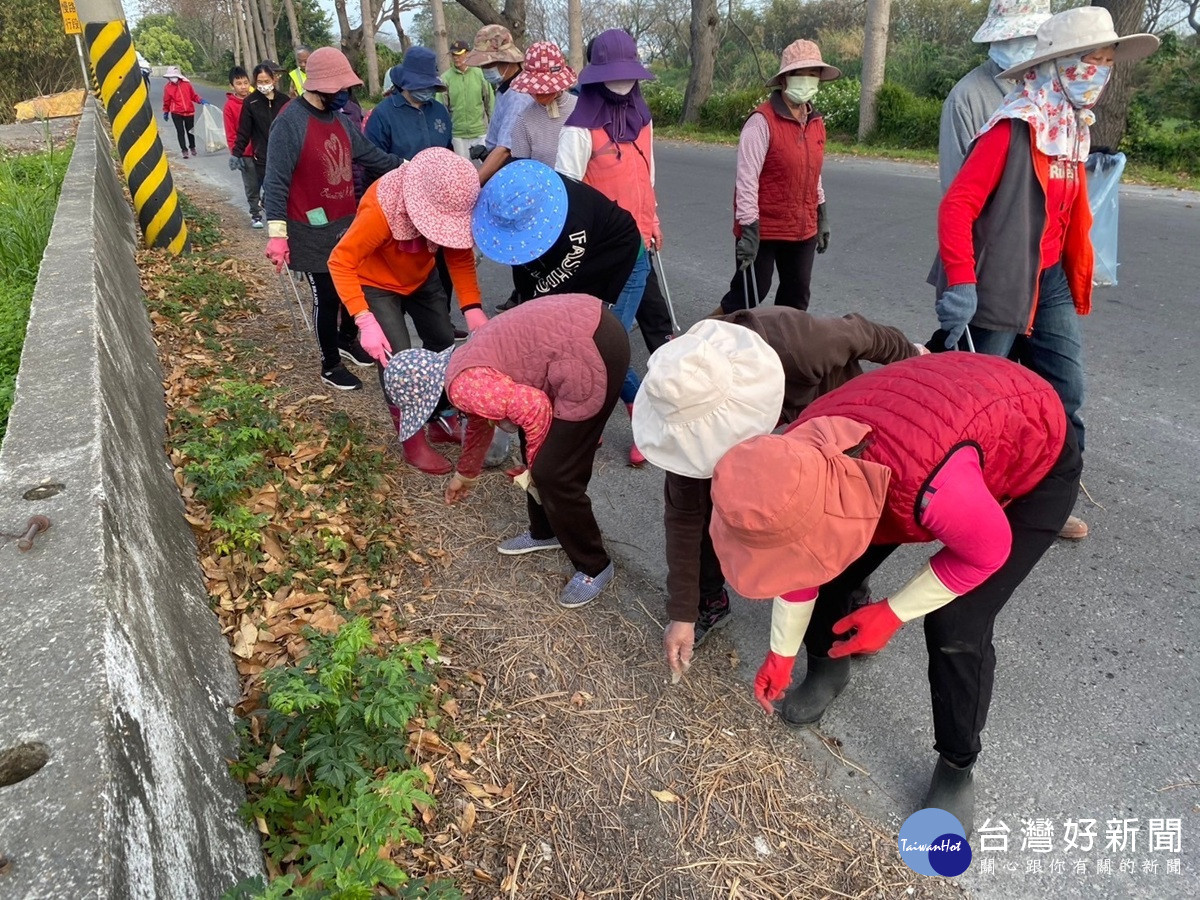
column 440, row 188
column 809, row 520
column 545, row 72
column 329, row 72
column 803, row 55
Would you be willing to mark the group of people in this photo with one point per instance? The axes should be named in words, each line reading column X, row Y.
column 790, row 474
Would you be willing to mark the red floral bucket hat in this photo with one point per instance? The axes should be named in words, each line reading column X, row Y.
column 545, row 71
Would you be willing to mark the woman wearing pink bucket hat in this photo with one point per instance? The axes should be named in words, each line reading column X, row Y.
column 970, row 450
column 778, row 200
column 546, row 77
column 308, row 195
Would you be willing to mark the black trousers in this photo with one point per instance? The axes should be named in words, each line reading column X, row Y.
column 426, row 306
column 333, row 325
column 958, row 637
column 564, row 464
column 183, row 131
column 793, row 259
column 252, row 185
column 653, row 315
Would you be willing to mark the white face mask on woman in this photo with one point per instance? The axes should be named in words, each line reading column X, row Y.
column 801, row 88
column 620, row 87
column 1010, row 53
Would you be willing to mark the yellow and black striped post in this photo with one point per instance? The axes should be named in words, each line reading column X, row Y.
column 123, row 92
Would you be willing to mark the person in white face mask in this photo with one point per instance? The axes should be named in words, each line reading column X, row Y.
column 1022, row 194
column 1009, row 31
column 780, row 221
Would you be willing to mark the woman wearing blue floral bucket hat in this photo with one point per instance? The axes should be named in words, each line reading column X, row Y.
column 550, row 370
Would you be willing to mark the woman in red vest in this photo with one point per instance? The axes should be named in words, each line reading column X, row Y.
column 970, row 450
column 550, row 369
column 779, row 216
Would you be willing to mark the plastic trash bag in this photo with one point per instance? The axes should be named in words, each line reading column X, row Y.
column 1103, row 179
column 212, row 130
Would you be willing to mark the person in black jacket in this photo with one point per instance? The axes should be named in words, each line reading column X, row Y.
column 258, row 113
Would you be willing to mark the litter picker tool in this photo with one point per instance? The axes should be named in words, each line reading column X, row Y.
column 662, row 276
column 749, row 279
column 287, row 277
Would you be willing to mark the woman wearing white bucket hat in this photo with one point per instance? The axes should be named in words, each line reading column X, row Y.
column 724, row 381
column 1022, row 194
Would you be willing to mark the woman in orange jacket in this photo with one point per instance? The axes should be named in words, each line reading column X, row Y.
column 384, row 268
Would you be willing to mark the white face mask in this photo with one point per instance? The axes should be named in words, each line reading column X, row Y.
column 173, row 80
column 620, row 87
column 266, row 88
column 1007, row 54
column 801, row 88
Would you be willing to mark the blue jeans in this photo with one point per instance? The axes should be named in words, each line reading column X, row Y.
column 626, row 309
column 1055, row 348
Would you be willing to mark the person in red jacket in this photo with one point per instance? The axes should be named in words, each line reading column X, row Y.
column 970, row 450
column 239, row 80
column 179, row 105
column 1022, row 195
column 779, row 217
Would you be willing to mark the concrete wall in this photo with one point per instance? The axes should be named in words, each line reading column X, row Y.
column 112, row 667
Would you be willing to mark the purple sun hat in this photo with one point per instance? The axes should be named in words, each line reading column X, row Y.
column 614, row 57
column 520, row 212
column 414, row 381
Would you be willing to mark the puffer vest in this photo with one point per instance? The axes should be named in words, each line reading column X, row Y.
column 547, row 344
column 923, row 409
column 787, row 185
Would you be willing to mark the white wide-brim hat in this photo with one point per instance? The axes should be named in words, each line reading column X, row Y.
column 706, row 391
column 1010, row 19
column 1079, row 31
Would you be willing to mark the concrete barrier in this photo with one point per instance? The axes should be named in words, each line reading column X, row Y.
column 116, row 686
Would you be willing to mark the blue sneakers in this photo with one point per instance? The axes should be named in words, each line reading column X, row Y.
column 527, row 543
column 583, row 589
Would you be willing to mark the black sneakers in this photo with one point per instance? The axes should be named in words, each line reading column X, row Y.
column 356, row 355
column 714, row 614
column 338, row 377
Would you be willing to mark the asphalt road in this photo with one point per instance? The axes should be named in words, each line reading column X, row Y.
column 1096, row 713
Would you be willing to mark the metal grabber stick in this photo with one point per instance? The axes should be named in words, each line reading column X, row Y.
column 287, row 276
column 662, row 276
column 747, row 281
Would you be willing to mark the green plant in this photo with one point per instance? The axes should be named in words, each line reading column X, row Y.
column 338, row 719
column 906, row 119
column 203, row 225
column 838, row 101
column 242, row 530
column 665, row 102
column 728, row 111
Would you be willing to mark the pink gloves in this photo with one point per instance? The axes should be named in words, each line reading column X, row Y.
column 370, row 335
column 772, row 679
column 278, row 253
column 475, row 318
column 873, row 624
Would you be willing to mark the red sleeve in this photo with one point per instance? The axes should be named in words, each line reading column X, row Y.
column 230, row 117
column 965, row 199
column 959, row 510
column 196, row 98
column 475, row 446
column 482, row 391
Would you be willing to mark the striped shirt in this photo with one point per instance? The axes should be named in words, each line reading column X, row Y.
column 535, row 134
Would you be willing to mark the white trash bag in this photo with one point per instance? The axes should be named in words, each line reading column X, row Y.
column 212, row 130
column 1103, row 181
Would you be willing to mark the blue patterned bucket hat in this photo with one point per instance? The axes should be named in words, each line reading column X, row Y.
column 414, row 381
column 520, row 213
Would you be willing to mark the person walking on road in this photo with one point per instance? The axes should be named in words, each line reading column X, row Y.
column 469, row 98
column 552, row 371
column 309, row 199
column 1010, row 31
column 780, row 218
column 1022, row 194
column 243, row 162
column 724, row 381
column 970, row 450
column 179, row 105
column 383, row 269
column 257, row 115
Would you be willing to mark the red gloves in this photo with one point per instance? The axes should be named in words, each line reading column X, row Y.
column 773, row 679
column 873, row 625
column 278, row 252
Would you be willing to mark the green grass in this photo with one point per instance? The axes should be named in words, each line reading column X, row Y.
column 29, row 186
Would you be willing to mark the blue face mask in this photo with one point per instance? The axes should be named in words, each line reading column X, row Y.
column 1007, row 54
column 334, row 102
column 422, row 96
column 493, row 75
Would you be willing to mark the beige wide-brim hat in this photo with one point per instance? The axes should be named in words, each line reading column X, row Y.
column 704, row 392
column 803, row 55
column 1079, row 31
column 1009, row 19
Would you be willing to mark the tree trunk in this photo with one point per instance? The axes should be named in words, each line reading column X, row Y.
column 368, row 45
column 254, row 54
column 874, row 62
column 240, row 52
column 575, row 32
column 256, row 25
column 704, row 57
column 1113, row 108
column 441, row 44
column 267, row 10
column 293, row 25
column 511, row 17
column 405, row 43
